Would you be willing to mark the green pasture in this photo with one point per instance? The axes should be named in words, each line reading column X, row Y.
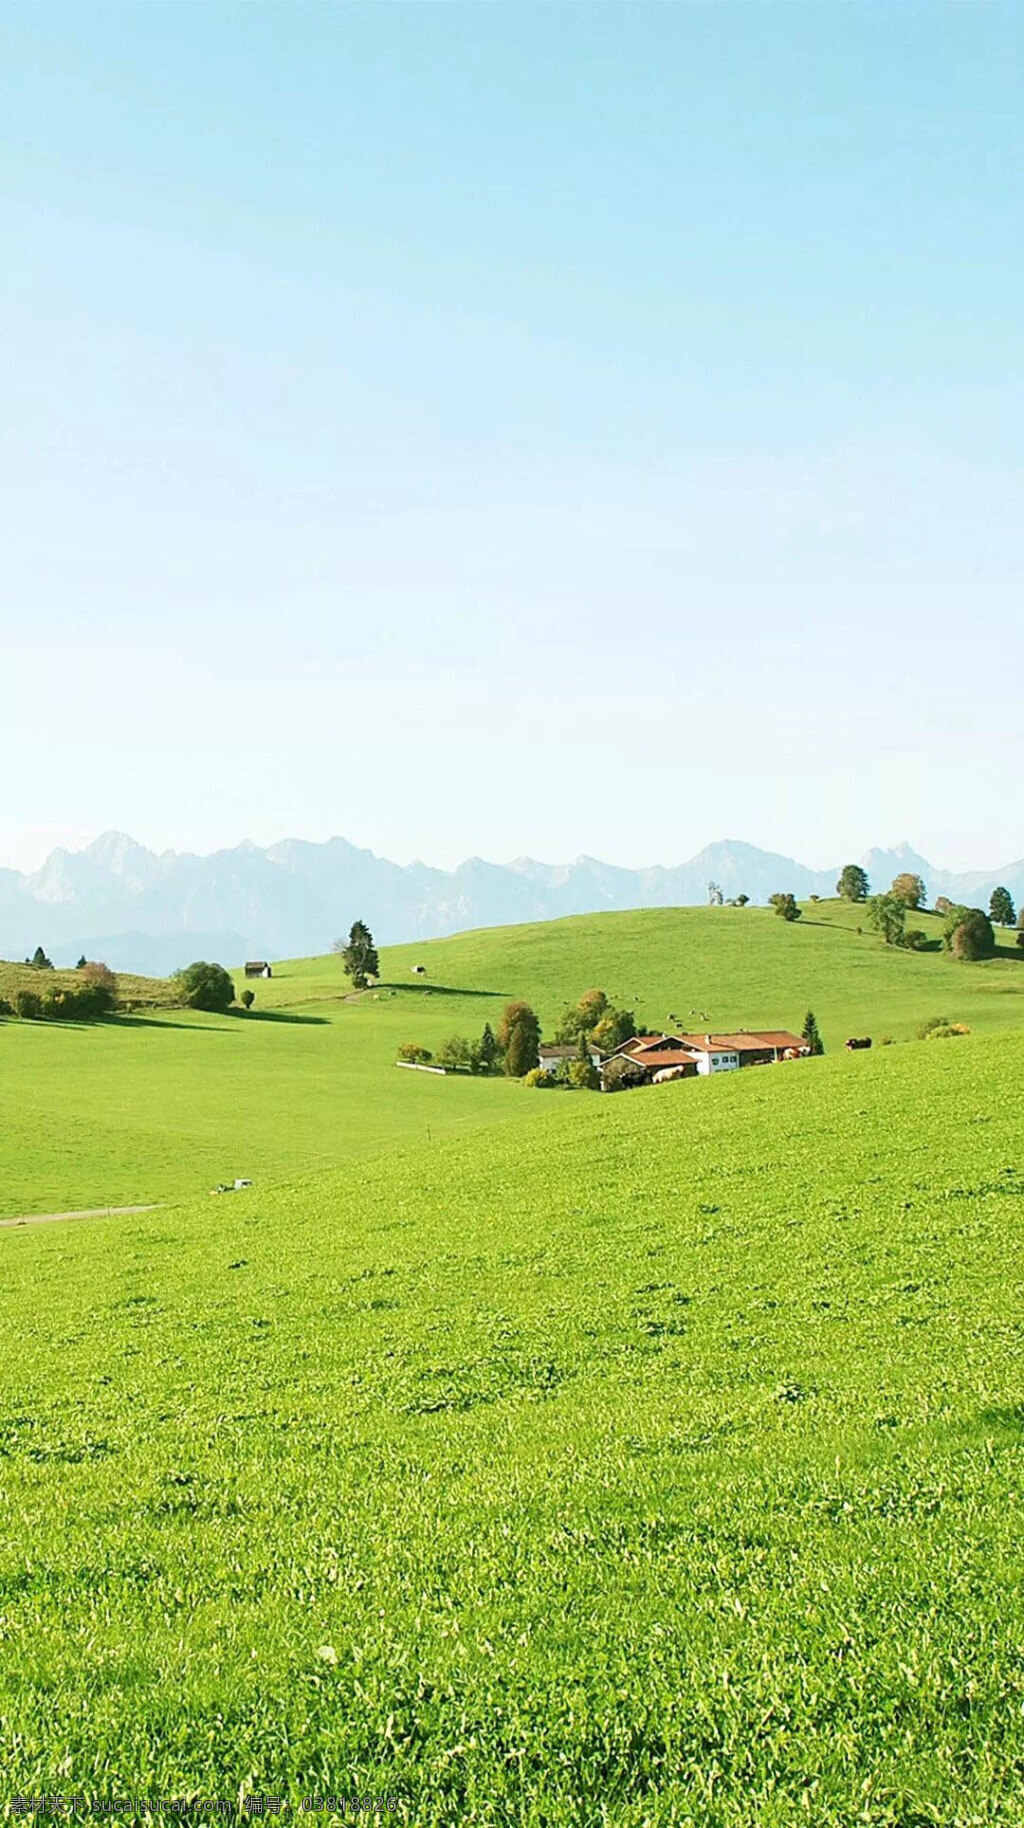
column 137, row 1110
column 655, row 1463
column 170, row 1102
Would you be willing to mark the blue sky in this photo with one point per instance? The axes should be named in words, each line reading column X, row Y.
column 498, row 428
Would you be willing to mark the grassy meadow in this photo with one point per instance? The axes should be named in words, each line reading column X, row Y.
column 168, row 1102
column 656, row 1462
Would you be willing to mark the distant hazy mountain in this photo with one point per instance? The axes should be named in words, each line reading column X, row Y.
column 142, row 912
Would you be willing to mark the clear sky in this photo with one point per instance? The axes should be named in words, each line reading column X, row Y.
column 507, row 428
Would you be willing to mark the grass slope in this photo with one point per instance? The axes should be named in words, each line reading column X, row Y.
column 659, row 1464
column 147, row 1108
column 139, row 992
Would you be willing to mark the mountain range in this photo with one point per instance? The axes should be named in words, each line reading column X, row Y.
column 145, row 912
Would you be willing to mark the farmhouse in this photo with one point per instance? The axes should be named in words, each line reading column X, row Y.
column 662, row 1057
column 747, row 1048
column 257, row 967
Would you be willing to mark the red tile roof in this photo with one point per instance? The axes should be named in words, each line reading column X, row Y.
column 744, row 1041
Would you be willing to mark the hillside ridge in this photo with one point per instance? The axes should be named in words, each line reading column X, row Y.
column 149, row 913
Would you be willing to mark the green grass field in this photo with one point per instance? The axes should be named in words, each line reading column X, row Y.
column 166, row 1104
column 657, row 1462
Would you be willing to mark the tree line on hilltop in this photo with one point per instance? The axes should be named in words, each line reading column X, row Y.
column 967, row 933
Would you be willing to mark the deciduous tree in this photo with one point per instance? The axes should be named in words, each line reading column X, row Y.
column 909, row 888
column 206, row 986
column 519, row 1038
column 887, row 914
column 1001, row 907
column 853, row 883
column 785, row 906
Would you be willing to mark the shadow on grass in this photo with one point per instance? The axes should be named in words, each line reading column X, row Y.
column 278, row 1015
column 441, row 990
column 149, row 1021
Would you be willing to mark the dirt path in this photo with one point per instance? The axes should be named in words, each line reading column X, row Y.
column 93, row 1212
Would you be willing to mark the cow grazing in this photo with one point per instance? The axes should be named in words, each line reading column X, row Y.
column 863, row 1041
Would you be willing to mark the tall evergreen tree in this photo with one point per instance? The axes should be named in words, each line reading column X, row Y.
column 1001, row 907
column 811, row 1033
column 359, row 957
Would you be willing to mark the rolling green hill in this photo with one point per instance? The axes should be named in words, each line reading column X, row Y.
column 134, row 992
column 658, row 1463
column 162, row 1105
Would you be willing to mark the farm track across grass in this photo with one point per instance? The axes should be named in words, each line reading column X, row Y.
column 659, row 1462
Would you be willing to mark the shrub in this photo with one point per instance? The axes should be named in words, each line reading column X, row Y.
column 925, row 1028
column 915, row 939
column 247, row 999
column 28, row 1005
column 583, row 1076
column 972, row 937
column 947, row 1030
column 538, row 1081
column 415, row 1053
column 620, row 1074
column 100, row 986
column 885, row 1040
column 206, row 986
column 6, row 1008
column 454, row 1053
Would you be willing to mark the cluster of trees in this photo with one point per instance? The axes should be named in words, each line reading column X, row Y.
column 40, row 962
column 716, row 897
column 589, row 1024
column 457, row 1053
column 595, row 1020
column 853, row 885
column 513, row 1050
column 966, row 932
column 94, row 996
column 358, row 955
